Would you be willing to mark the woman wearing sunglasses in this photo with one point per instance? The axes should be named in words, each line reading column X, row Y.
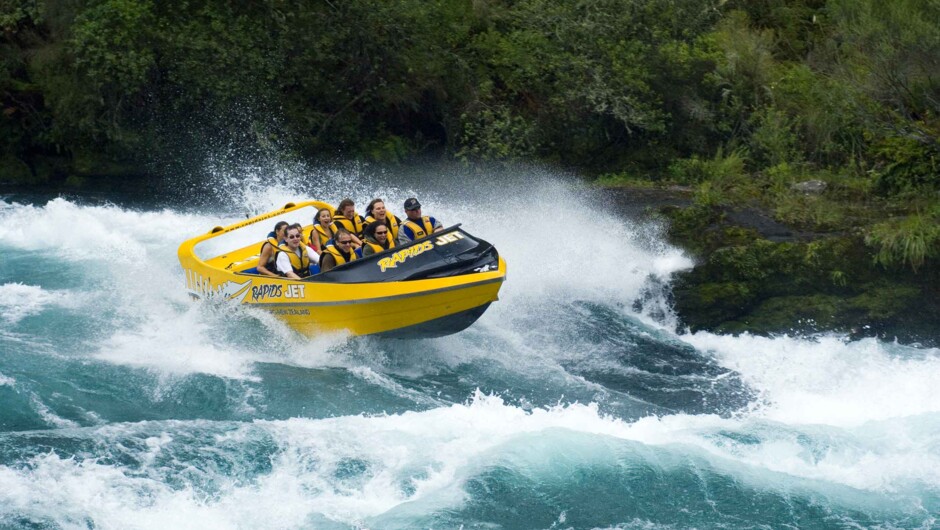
column 378, row 238
column 340, row 252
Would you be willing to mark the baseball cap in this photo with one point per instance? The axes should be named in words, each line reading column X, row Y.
column 412, row 204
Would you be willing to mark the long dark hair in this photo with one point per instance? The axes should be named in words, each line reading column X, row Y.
column 343, row 204
column 371, row 204
column 370, row 229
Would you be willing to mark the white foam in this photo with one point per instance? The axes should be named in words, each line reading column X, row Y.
column 51, row 418
column 354, row 468
column 559, row 246
column 176, row 344
column 18, row 301
column 828, row 380
column 75, row 493
column 433, row 451
column 123, row 238
column 134, row 273
column 371, row 377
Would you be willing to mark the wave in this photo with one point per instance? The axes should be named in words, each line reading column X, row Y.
column 449, row 464
column 18, row 301
column 829, row 380
column 573, row 402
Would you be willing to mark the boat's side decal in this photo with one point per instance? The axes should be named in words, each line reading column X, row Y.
column 392, row 261
column 448, row 238
column 260, row 292
column 201, row 287
column 385, row 298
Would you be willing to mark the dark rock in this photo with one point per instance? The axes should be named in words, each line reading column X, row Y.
column 756, row 275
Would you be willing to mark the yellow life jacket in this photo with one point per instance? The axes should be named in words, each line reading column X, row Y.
column 300, row 264
column 420, row 230
column 271, row 240
column 319, row 231
column 353, row 226
column 391, row 222
column 338, row 256
column 376, row 247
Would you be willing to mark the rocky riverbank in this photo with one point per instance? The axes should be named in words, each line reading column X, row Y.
column 756, row 274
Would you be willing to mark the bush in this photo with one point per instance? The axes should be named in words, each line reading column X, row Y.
column 696, row 170
column 910, row 165
column 908, row 241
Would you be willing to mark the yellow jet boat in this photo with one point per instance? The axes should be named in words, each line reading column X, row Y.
column 434, row 286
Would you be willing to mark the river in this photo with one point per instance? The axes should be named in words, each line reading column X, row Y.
column 574, row 402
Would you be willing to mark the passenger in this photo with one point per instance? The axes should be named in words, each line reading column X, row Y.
column 376, row 211
column 417, row 225
column 322, row 231
column 377, row 239
column 269, row 248
column 340, row 252
column 346, row 217
column 303, row 238
column 293, row 260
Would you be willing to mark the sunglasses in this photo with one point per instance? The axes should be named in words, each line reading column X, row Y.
column 381, row 233
column 346, row 242
column 293, row 237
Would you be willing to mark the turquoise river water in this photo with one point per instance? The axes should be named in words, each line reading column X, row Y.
column 574, row 402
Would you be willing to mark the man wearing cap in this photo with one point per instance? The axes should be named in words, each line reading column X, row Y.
column 417, row 225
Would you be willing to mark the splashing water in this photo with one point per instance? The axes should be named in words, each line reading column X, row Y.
column 125, row 405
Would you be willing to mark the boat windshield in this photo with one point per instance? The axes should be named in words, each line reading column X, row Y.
column 251, row 233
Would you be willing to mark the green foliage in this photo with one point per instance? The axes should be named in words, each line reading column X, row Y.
column 772, row 142
column 747, row 68
column 838, row 278
column 720, row 168
column 14, row 170
column 883, row 300
column 592, row 78
column 625, row 179
column 808, row 211
column 908, row 241
column 739, row 98
column 892, row 48
column 820, row 114
column 110, row 43
column 888, row 51
column 721, row 180
column 496, row 134
column 910, row 166
column 388, row 149
column 17, row 14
